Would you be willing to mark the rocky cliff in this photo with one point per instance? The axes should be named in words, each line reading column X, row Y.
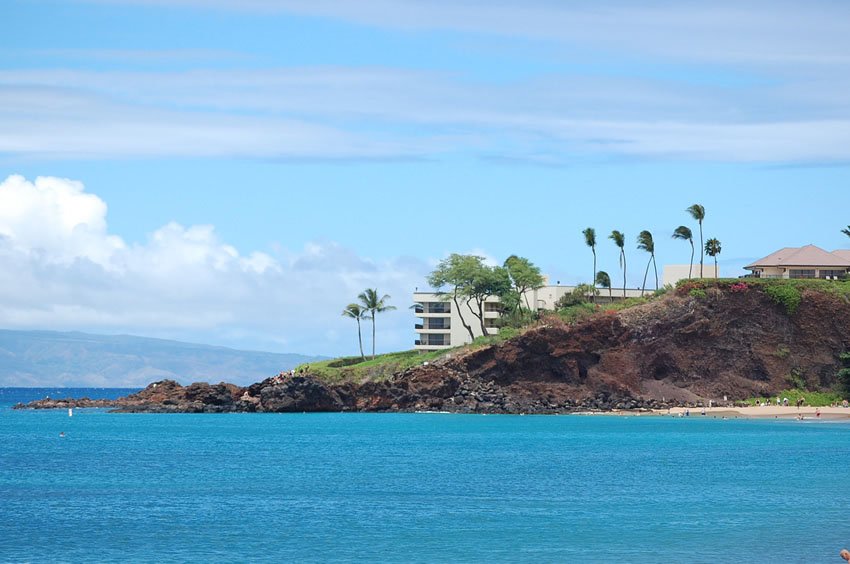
column 734, row 341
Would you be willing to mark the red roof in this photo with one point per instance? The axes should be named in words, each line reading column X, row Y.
column 809, row 255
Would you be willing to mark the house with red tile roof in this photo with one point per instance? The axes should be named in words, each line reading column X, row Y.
column 802, row 262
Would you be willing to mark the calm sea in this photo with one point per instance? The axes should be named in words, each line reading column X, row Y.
column 419, row 488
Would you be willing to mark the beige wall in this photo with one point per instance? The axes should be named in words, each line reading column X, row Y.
column 672, row 273
column 785, row 272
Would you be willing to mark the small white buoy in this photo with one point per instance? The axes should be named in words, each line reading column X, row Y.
column 70, row 412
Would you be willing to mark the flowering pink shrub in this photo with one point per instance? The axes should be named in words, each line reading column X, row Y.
column 739, row 287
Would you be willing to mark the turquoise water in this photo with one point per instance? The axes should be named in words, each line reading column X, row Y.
column 420, row 487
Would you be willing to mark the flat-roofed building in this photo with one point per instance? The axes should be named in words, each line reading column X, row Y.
column 802, row 262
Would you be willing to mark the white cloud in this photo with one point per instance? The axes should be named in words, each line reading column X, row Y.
column 62, row 269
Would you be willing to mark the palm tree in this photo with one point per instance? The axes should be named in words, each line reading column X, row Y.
column 620, row 240
column 356, row 312
column 698, row 213
column 370, row 302
column 846, row 231
column 684, row 233
column 604, row 280
column 712, row 249
column 645, row 243
column 590, row 241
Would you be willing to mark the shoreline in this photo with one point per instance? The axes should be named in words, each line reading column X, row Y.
column 766, row 412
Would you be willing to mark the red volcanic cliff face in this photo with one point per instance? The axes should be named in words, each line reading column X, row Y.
column 681, row 348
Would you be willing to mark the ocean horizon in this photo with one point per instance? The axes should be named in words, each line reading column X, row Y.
column 417, row 487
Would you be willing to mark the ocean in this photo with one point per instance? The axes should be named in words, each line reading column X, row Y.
column 417, row 488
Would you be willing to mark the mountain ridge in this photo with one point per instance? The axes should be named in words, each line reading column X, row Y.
column 76, row 358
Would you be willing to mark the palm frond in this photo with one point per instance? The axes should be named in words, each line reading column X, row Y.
column 590, row 237
column 645, row 242
column 697, row 212
column 683, row 232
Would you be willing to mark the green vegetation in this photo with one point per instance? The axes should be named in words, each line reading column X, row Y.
column 383, row 366
column 524, row 276
column 712, row 249
column 603, row 280
column 357, row 313
column 785, row 292
column 370, row 302
column 843, row 375
column 813, row 399
column 846, row 231
column 787, row 296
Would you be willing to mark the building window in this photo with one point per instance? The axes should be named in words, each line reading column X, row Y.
column 802, row 273
column 437, row 340
column 491, row 322
column 439, row 307
column 492, row 306
column 439, row 323
column 832, row 273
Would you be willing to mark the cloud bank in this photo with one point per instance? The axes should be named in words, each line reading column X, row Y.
column 62, row 269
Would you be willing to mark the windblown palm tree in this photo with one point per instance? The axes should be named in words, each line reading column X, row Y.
column 603, row 280
column 684, row 233
column 370, row 302
column 620, row 240
column 590, row 241
column 356, row 312
column 645, row 243
column 712, row 249
column 846, row 231
column 698, row 213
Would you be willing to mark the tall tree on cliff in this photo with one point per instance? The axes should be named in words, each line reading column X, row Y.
column 357, row 313
column 645, row 243
column 603, row 280
column 590, row 241
column 488, row 281
column 846, row 231
column 698, row 213
column 620, row 240
column 712, row 249
column 685, row 234
column 456, row 272
column 524, row 276
column 370, row 301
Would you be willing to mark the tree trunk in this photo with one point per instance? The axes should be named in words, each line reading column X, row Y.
column 624, row 272
column 373, row 334
column 716, row 274
column 360, row 340
column 655, row 268
column 593, row 296
column 691, row 268
column 645, row 274
column 479, row 303
column 463, row 322
column 701, row 250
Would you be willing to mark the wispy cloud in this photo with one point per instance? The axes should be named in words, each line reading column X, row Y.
column 344, row 113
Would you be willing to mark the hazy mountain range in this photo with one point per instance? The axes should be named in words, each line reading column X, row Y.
column 50, row 358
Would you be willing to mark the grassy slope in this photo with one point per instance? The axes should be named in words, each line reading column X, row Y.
column 352, row 369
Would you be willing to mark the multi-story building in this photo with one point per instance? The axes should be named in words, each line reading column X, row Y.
column 802, row 262
column 440, row 322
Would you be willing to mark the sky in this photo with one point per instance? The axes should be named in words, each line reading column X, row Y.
column 234, row 172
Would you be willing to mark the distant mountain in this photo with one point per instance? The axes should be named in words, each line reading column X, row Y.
column 51, row 358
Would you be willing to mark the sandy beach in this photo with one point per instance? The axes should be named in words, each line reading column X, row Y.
column 766, row 412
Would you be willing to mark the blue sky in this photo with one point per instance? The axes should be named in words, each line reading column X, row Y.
column 234, row 172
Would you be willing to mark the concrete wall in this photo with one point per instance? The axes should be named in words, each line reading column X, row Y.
column 672, row 273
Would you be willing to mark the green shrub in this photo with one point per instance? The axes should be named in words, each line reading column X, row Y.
column 786, row 295
column 577, row 312
column 782, row 351
column 796, row 379
column 698, row 293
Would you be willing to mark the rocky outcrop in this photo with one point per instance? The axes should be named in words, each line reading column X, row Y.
column 678, row 350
